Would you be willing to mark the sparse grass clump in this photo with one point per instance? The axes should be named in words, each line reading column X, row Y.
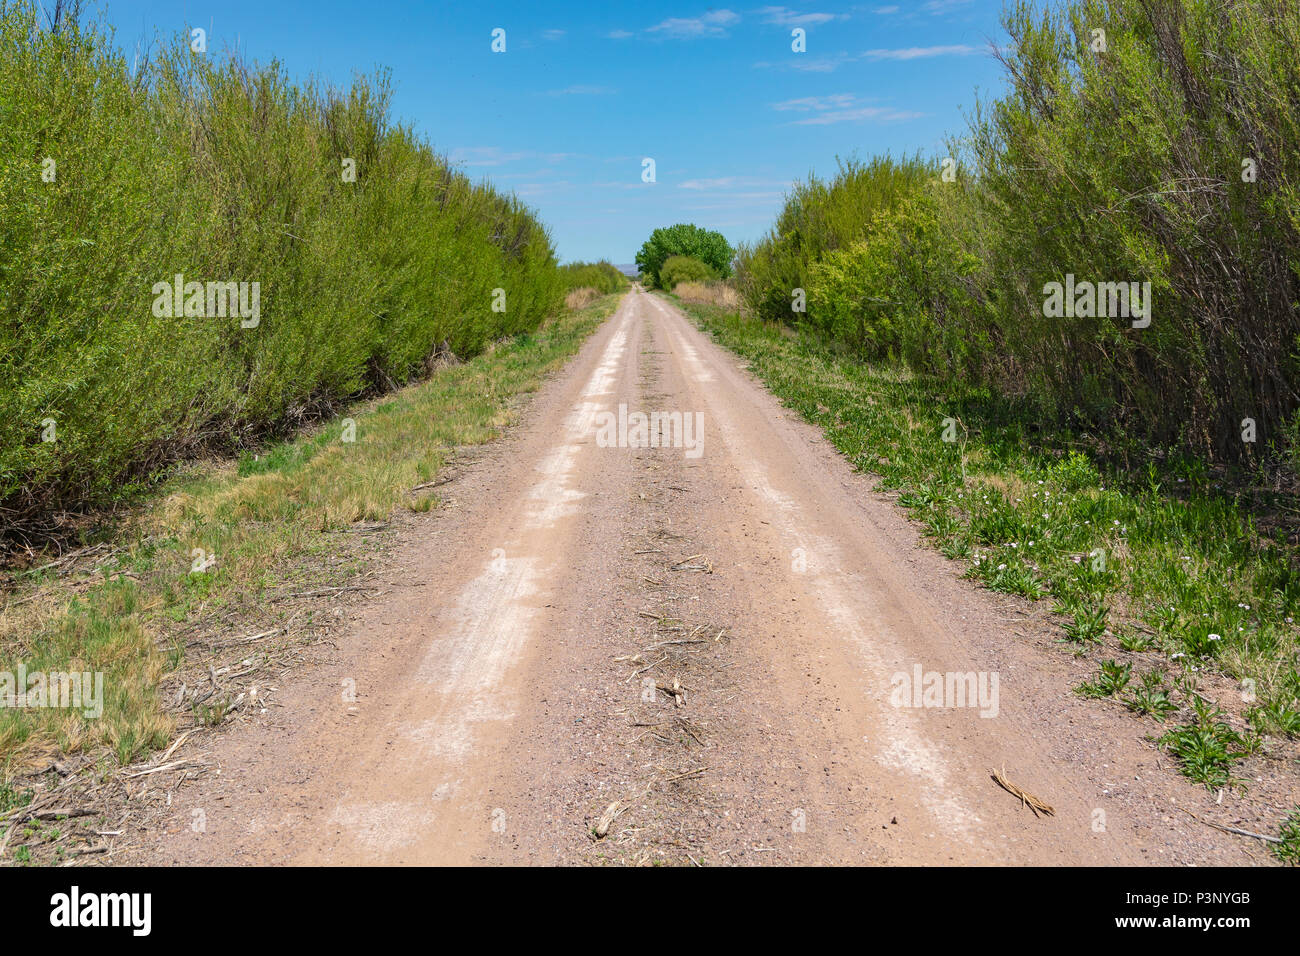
column 1288, row 851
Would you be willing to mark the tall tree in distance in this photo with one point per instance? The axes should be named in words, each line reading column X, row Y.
column 684, row 239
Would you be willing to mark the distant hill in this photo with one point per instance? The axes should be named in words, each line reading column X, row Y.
column 630, row 271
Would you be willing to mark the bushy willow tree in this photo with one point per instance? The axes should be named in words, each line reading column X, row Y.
column 684, row 239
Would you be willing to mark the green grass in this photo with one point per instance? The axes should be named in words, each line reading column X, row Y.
column 1288, row 851
column 259, row 517
column 1154, row 563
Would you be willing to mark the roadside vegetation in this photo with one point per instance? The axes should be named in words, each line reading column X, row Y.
column 367, row 253
column 1187, row 609
column 1133, row 460
column 678, row 269
column 165, row 467
column 584, row 282
column 1137, row 143
column 688, row 247
column 721, row 294
column 137, row 605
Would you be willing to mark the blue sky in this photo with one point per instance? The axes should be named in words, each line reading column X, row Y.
column 584, row 92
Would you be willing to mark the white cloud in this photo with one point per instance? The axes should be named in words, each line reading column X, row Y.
column 552, row 34
column 618, row 34
column 723, row 182
column 885, row 11
column 731, row 182
column 786, row 17
column 858, row 115
column 840, row 108
column 711, row 24
column 807, row 64
column 806, row 103
column 923, row 52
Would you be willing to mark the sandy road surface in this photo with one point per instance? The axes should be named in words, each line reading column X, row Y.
column 516, row 680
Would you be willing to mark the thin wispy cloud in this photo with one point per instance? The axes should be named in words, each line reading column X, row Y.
column 924, row 52
column 808, row 64
column 784, row 16
column 841, row 108
column 711, row 24
column 552, row 34
column 619, row 34
column 806, row 103
column 730, row 182
column 722, row 182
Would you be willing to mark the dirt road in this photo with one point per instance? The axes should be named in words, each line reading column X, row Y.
column 711, row 644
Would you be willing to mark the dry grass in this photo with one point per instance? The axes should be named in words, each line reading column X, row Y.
column 708, row 293
column 581, row 297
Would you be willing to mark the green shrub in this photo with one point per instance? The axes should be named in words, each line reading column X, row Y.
column 1167, row 153
column 683, row 239
column 683, row 269
column 219, row 171
column 1130, row 164
column 819, row 218
column 601, row 276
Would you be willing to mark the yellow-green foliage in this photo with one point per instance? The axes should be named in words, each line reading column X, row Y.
column 677, row 269
column 601, row 276
column 819, row 217
column 1137, row 143
column 219, row 171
